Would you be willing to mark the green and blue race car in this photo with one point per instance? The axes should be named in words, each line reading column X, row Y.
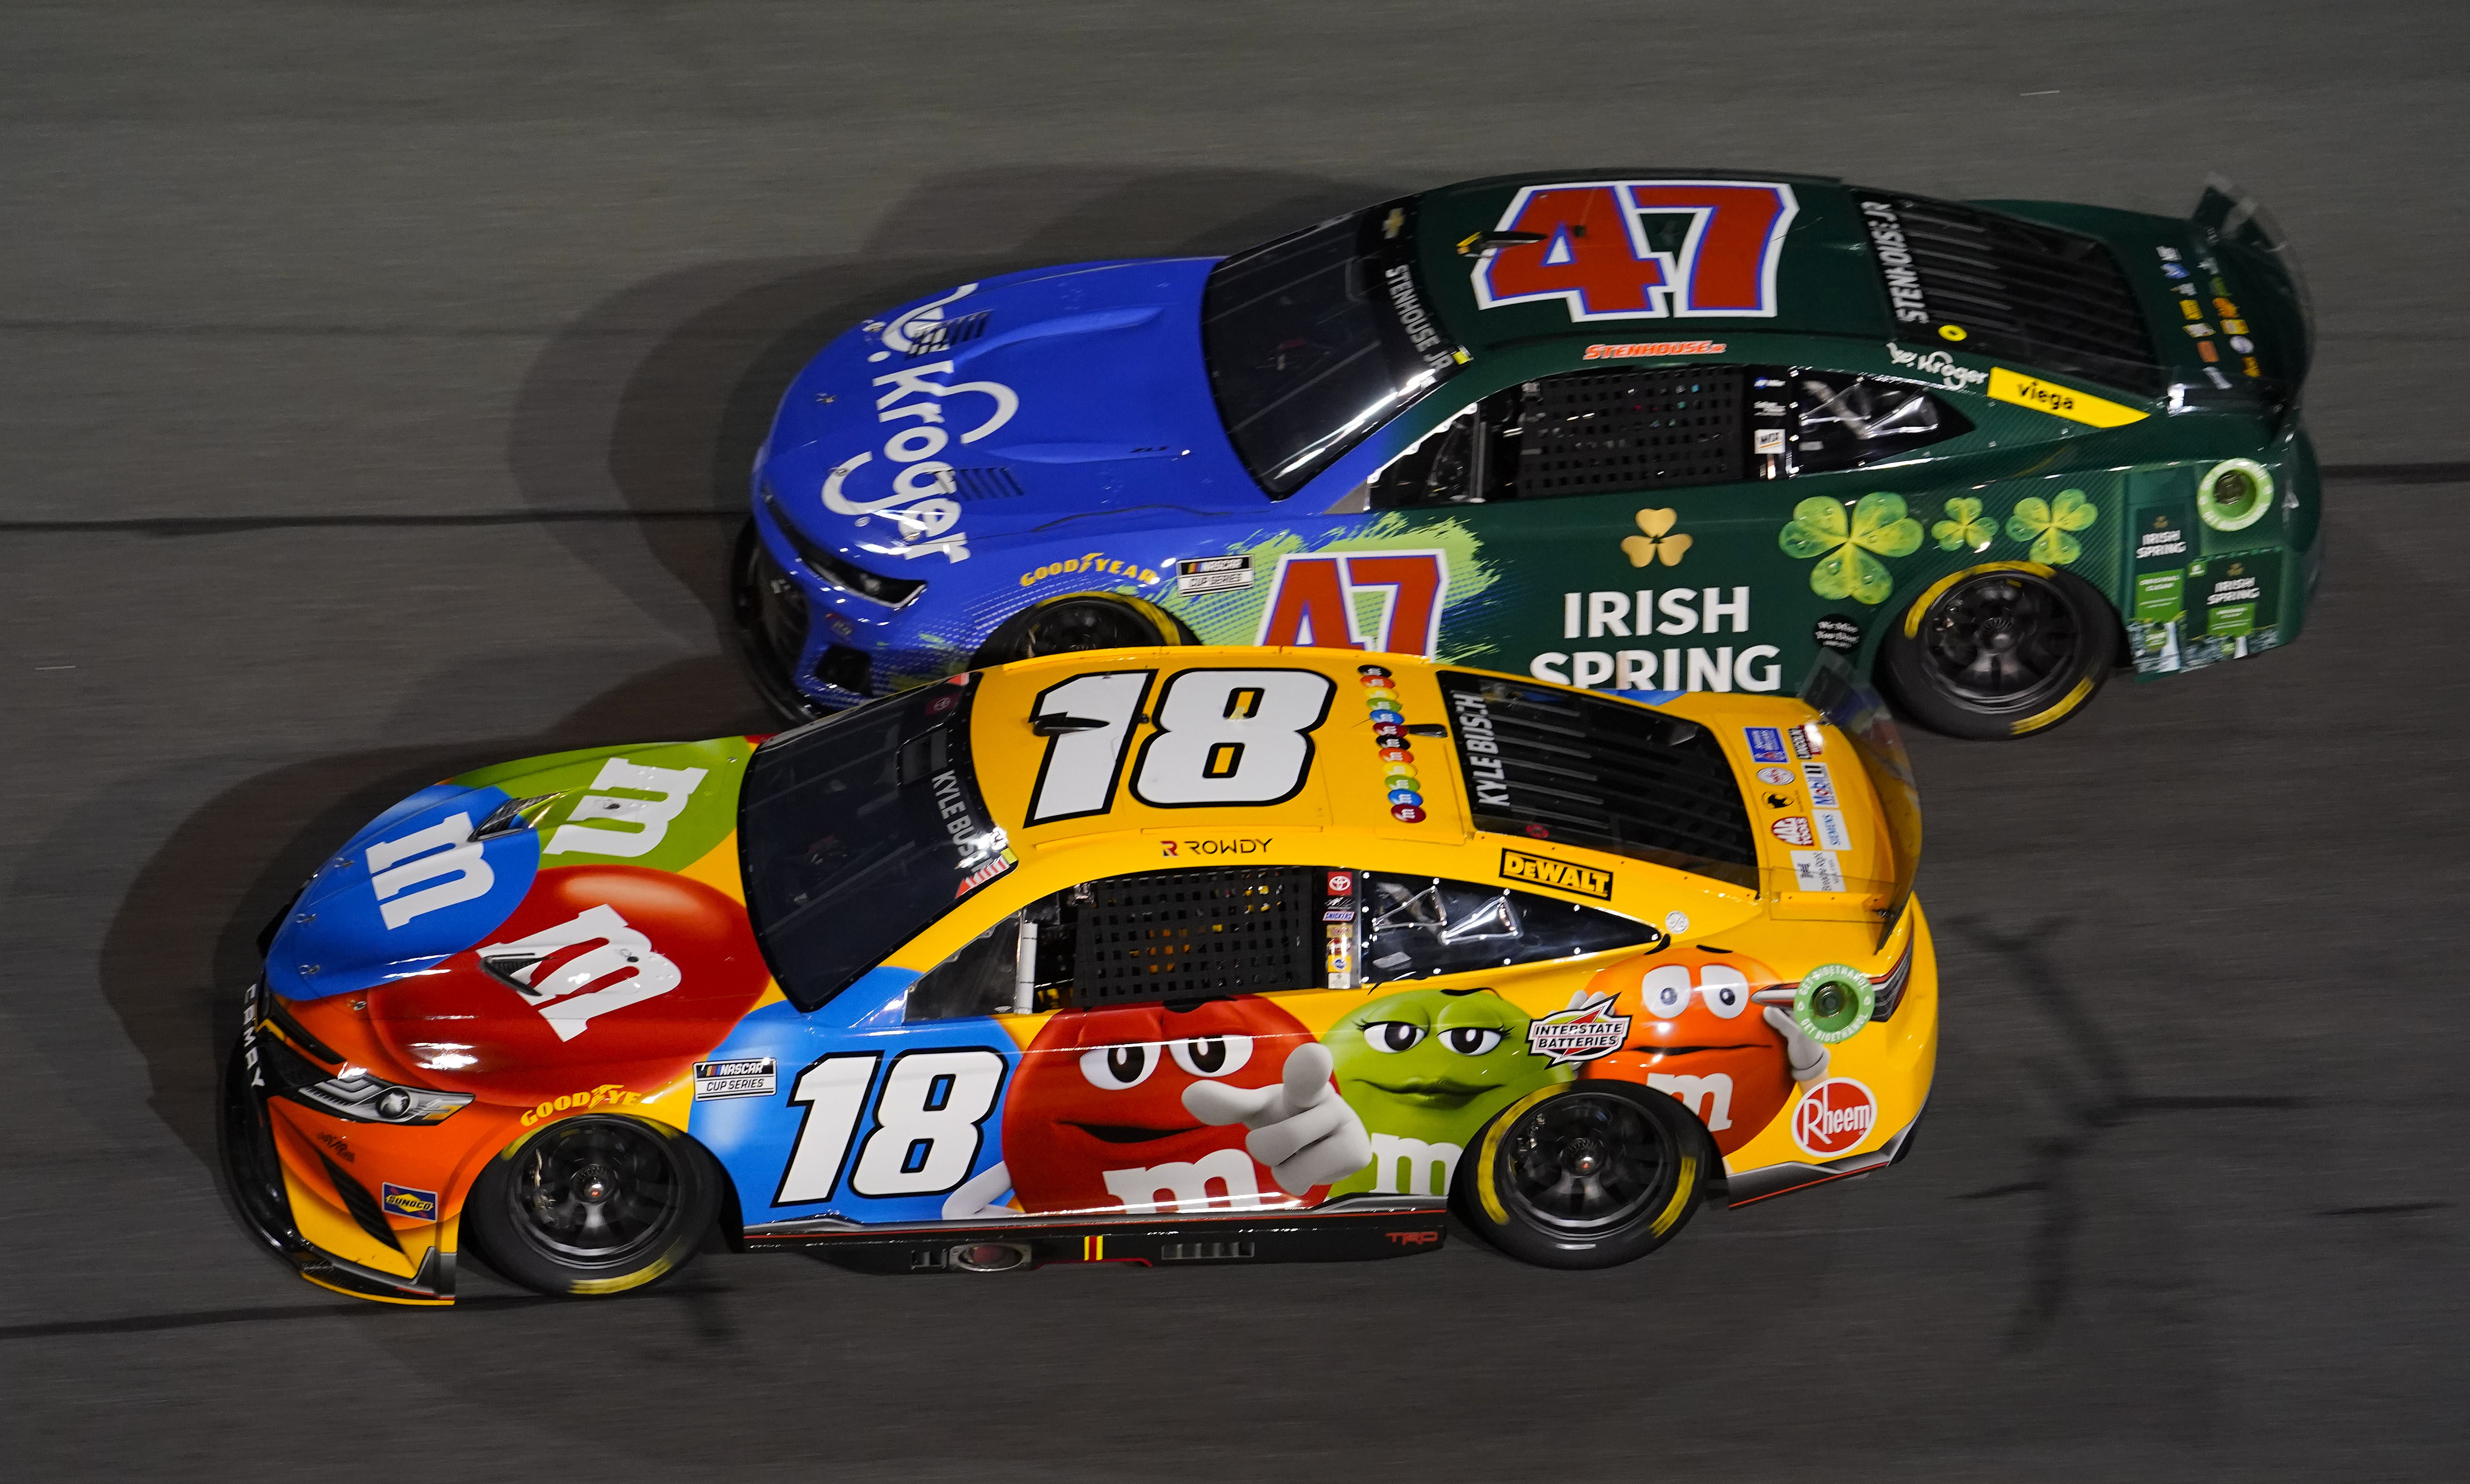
column 1632, row 430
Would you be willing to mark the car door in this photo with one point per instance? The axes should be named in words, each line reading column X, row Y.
column 1659, row 508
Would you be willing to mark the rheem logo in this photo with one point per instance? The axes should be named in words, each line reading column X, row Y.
column 1833, row 1115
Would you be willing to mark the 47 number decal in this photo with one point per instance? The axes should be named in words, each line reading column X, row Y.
column 1643, row 249
column 1223, row 737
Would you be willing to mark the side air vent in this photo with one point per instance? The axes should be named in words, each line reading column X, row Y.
column 1191, row 935
column 934, row 339
column 1632, row 429
column 366, row 1212
column 2051, row 299
column 1206, row 1251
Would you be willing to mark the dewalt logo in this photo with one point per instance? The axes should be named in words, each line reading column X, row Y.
column 1584, row 880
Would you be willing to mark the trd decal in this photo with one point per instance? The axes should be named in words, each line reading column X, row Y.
column 1312, row 601
column 1595, row 250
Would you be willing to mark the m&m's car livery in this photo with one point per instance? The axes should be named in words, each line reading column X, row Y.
column 1629, row 431
column 1150, row 954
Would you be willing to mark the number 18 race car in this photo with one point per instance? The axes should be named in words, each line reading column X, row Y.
column 1634, row 430
column 1179, row 954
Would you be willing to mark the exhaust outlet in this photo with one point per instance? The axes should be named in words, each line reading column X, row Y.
column 989, row 1257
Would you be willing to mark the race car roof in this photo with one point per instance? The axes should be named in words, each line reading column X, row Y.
column 1648, row 254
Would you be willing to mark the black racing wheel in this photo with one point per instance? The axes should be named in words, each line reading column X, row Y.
column 2000, row 651
column 1077, row 622
column 593, row 1205
column 1585, row 1174
column 771, row 613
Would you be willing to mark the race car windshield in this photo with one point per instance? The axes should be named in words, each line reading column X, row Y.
column 858, row 832
column 1316, row 339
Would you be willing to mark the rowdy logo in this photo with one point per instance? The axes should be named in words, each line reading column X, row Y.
column 1833, row 1115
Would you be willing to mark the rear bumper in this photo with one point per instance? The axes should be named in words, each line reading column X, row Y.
column 1781, row 1180
column 255, row 1170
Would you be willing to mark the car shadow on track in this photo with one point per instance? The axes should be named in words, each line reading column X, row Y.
column 183, row 942
column 655, row 400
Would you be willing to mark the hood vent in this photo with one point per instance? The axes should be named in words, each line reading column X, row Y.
column 945, row 335
column 985, row 484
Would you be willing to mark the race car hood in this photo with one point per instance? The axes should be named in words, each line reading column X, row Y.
column 1001, row 407
column 557, row 920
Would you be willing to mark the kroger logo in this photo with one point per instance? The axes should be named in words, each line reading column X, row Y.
column 920, row 482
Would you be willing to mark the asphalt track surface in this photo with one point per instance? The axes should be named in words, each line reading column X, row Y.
column 375, row 384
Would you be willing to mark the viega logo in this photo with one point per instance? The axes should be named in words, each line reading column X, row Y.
column 608, row 1094
column 1313, row 601
column 1584, row 880
column 1833, row 1115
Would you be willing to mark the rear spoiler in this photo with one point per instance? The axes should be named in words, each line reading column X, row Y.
column 1856, row 710
column 2266, row 268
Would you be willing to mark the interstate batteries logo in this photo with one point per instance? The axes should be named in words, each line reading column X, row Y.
column 1584, row 880
column 1582, row 1033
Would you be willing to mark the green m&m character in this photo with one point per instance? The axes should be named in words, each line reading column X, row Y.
column 1423, row 1070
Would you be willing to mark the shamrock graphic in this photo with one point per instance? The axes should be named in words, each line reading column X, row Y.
column 1845, row 567
column 1655, row 545
column 2046, row 525
column 1964, row 526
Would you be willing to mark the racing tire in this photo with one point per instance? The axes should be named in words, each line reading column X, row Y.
column 772, row 616
column 2000, row 651
column 1584, row 1174
column 1077, row 621
column 593, row 1206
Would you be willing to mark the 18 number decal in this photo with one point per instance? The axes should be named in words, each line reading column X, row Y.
column 1223, row 737
column 928, row 1124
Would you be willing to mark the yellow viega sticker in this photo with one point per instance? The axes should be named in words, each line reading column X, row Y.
column 2031, row 391
column 1584, row 880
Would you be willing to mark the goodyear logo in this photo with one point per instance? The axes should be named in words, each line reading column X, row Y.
column 1584, row 880
column 403, row 1201
column 2031, row 391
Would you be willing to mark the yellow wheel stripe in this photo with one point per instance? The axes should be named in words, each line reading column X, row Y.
column 1931, row 593
column 2066, row 703
column 1681, row 1194
column 1486, row 1186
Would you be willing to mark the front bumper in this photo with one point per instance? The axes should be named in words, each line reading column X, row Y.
column 247, row 1135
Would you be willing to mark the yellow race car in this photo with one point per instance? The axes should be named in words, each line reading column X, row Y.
column 1147, row 956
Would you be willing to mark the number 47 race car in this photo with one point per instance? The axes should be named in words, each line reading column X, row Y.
column 1179, row 954
column 1637, row 431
